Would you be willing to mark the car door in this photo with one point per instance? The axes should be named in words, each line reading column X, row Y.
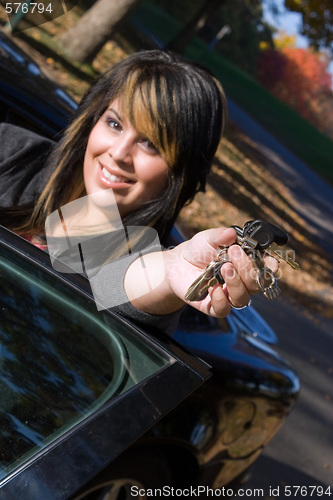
column 77, row 385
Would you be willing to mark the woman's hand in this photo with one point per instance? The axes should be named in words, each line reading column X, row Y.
column 192, row 257
column 185, row 263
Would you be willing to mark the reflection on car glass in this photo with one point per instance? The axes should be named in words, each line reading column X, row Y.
column 59, row 362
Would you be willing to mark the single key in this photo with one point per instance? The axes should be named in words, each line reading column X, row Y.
column 200, row 286
column 279, row 253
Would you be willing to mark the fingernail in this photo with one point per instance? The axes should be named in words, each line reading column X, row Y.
column 229, row 271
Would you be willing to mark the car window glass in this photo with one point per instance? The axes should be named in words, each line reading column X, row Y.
column 9, row 116
column 60, row 359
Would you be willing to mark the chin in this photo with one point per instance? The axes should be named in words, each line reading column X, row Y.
column 104, row 199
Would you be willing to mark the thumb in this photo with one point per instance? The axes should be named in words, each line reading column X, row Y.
column 201, row 249
column 220, row 237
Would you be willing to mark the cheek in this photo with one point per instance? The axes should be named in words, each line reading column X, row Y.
column 96, row 141
column 87, row 161
column 92, row 145
column 164, row 180
column 157, row 184
column 157, row 173
column 92, row 150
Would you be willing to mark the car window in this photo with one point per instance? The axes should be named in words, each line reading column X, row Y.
column 8, row 115
column 60, row 359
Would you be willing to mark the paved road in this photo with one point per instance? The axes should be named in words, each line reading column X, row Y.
column 301, row 454
column 314, row 195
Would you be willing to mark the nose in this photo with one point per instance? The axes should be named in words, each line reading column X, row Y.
column 121, row 149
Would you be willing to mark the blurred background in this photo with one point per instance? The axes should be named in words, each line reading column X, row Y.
column 274, row 60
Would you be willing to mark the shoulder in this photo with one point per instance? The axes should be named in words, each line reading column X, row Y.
column 23, row 156
column 15, row 141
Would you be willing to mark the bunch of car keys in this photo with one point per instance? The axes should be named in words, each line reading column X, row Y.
column 256, row 238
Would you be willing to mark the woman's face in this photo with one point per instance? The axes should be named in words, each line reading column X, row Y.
column 118, row 157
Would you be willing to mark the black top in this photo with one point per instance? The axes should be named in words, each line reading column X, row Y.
column 22, row 164
column 23, row 174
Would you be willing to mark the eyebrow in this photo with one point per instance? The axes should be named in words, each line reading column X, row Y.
column 115, row 112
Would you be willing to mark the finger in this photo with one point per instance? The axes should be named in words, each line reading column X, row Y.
column 219, row 304
column 271, row 263
column 244, row 267
column 235, row 290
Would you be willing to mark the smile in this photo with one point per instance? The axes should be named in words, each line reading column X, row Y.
column 115, row 178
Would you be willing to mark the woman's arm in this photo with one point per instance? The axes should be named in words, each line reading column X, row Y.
column 182, row 265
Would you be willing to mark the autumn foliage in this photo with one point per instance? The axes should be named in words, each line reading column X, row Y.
column 300, row 78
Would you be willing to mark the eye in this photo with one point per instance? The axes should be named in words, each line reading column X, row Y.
column 149, row 146
column 113, row 124
column 112, row 121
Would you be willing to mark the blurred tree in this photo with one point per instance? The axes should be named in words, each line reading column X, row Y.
column 84, row 40
column 204, row 18
column 198, row 21
column 300, row 78
column 243, row 17
column 270, row 68
column 184, row 11
column 283, row 39
column 248, row 32
column 317, row 21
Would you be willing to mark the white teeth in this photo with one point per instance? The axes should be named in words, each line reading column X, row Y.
column 113, row 178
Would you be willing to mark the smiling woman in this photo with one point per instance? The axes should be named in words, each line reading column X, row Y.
column 175, row 105
column 119, row 157
column 144, row 137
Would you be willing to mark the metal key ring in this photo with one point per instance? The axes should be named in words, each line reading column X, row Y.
column 271, row 291
column 223, row 255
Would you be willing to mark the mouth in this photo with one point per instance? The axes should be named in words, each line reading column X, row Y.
column 115, row 178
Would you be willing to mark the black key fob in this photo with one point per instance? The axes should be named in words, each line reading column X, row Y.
column 265, row 233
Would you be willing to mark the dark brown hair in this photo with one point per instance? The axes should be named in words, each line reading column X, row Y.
column 178, row 105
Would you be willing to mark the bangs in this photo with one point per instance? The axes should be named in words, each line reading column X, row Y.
column 152, row 110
